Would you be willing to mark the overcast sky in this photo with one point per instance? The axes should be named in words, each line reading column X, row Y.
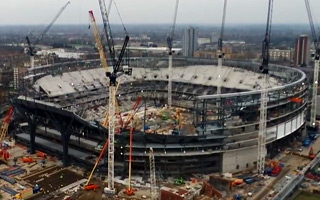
column 17, row 12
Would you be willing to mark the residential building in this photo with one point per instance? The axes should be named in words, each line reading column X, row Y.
column 281, row 55
column 190, row 42
column 302, row 51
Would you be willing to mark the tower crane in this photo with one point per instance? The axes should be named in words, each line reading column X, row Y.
column 153, row 182
column 117, row 71
column 31, row 48
column 169, row 42
column 316, row 40
column 220, row 54
column 264, row 69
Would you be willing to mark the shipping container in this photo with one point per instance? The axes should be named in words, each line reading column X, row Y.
column 26, row 193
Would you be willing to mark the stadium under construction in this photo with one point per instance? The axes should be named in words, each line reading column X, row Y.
column 62, row 112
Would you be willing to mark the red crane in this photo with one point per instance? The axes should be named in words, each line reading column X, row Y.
column 4, row 131
column 134, row 111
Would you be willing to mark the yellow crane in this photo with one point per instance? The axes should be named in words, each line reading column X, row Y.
column 95, row 30
column 102, row 55
column 104, row 64
column 5, row 124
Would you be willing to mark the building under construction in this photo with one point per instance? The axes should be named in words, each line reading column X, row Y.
column 203, row 132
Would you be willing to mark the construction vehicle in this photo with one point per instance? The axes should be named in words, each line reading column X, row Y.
column 249, row 180
column 276, row 171
column 93, row 187
column 41, row 154
column 268, row 171
column 316, row 40
column 113, row 76
column 31, row 159
column 306, row 142
column 274, row 163
column 169, row 43
column 179, row 181
column 36, row 189
column 28, row 160
column 264, row 69
column 31, row 50
column 239, row 197
column 237, row 182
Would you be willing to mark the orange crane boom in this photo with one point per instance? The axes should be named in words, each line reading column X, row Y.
column 98, row 161
column 129, row 190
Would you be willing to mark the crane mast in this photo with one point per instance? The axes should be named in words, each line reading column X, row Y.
column 107, row 31
column 109, row 6
column 316, row 41
column 220, row 54
column 220, row 40
column 264, row 68
column 153, row 182
column 169, row 41
column 117, row 71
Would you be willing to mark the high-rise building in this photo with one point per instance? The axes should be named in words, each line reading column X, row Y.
column 281, row 55
column 190, row 42
column 302, row 51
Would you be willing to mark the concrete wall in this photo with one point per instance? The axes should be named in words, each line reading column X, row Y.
column 237, row 159
column 240, row 158
column 290, row 126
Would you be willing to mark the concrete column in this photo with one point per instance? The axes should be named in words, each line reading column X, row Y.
column 304, row 132
column 32, row 138
column 65, row 138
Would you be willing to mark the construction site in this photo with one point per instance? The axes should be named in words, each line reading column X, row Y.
column 161, row 128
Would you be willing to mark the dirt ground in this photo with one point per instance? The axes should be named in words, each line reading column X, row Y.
column 54, row 179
